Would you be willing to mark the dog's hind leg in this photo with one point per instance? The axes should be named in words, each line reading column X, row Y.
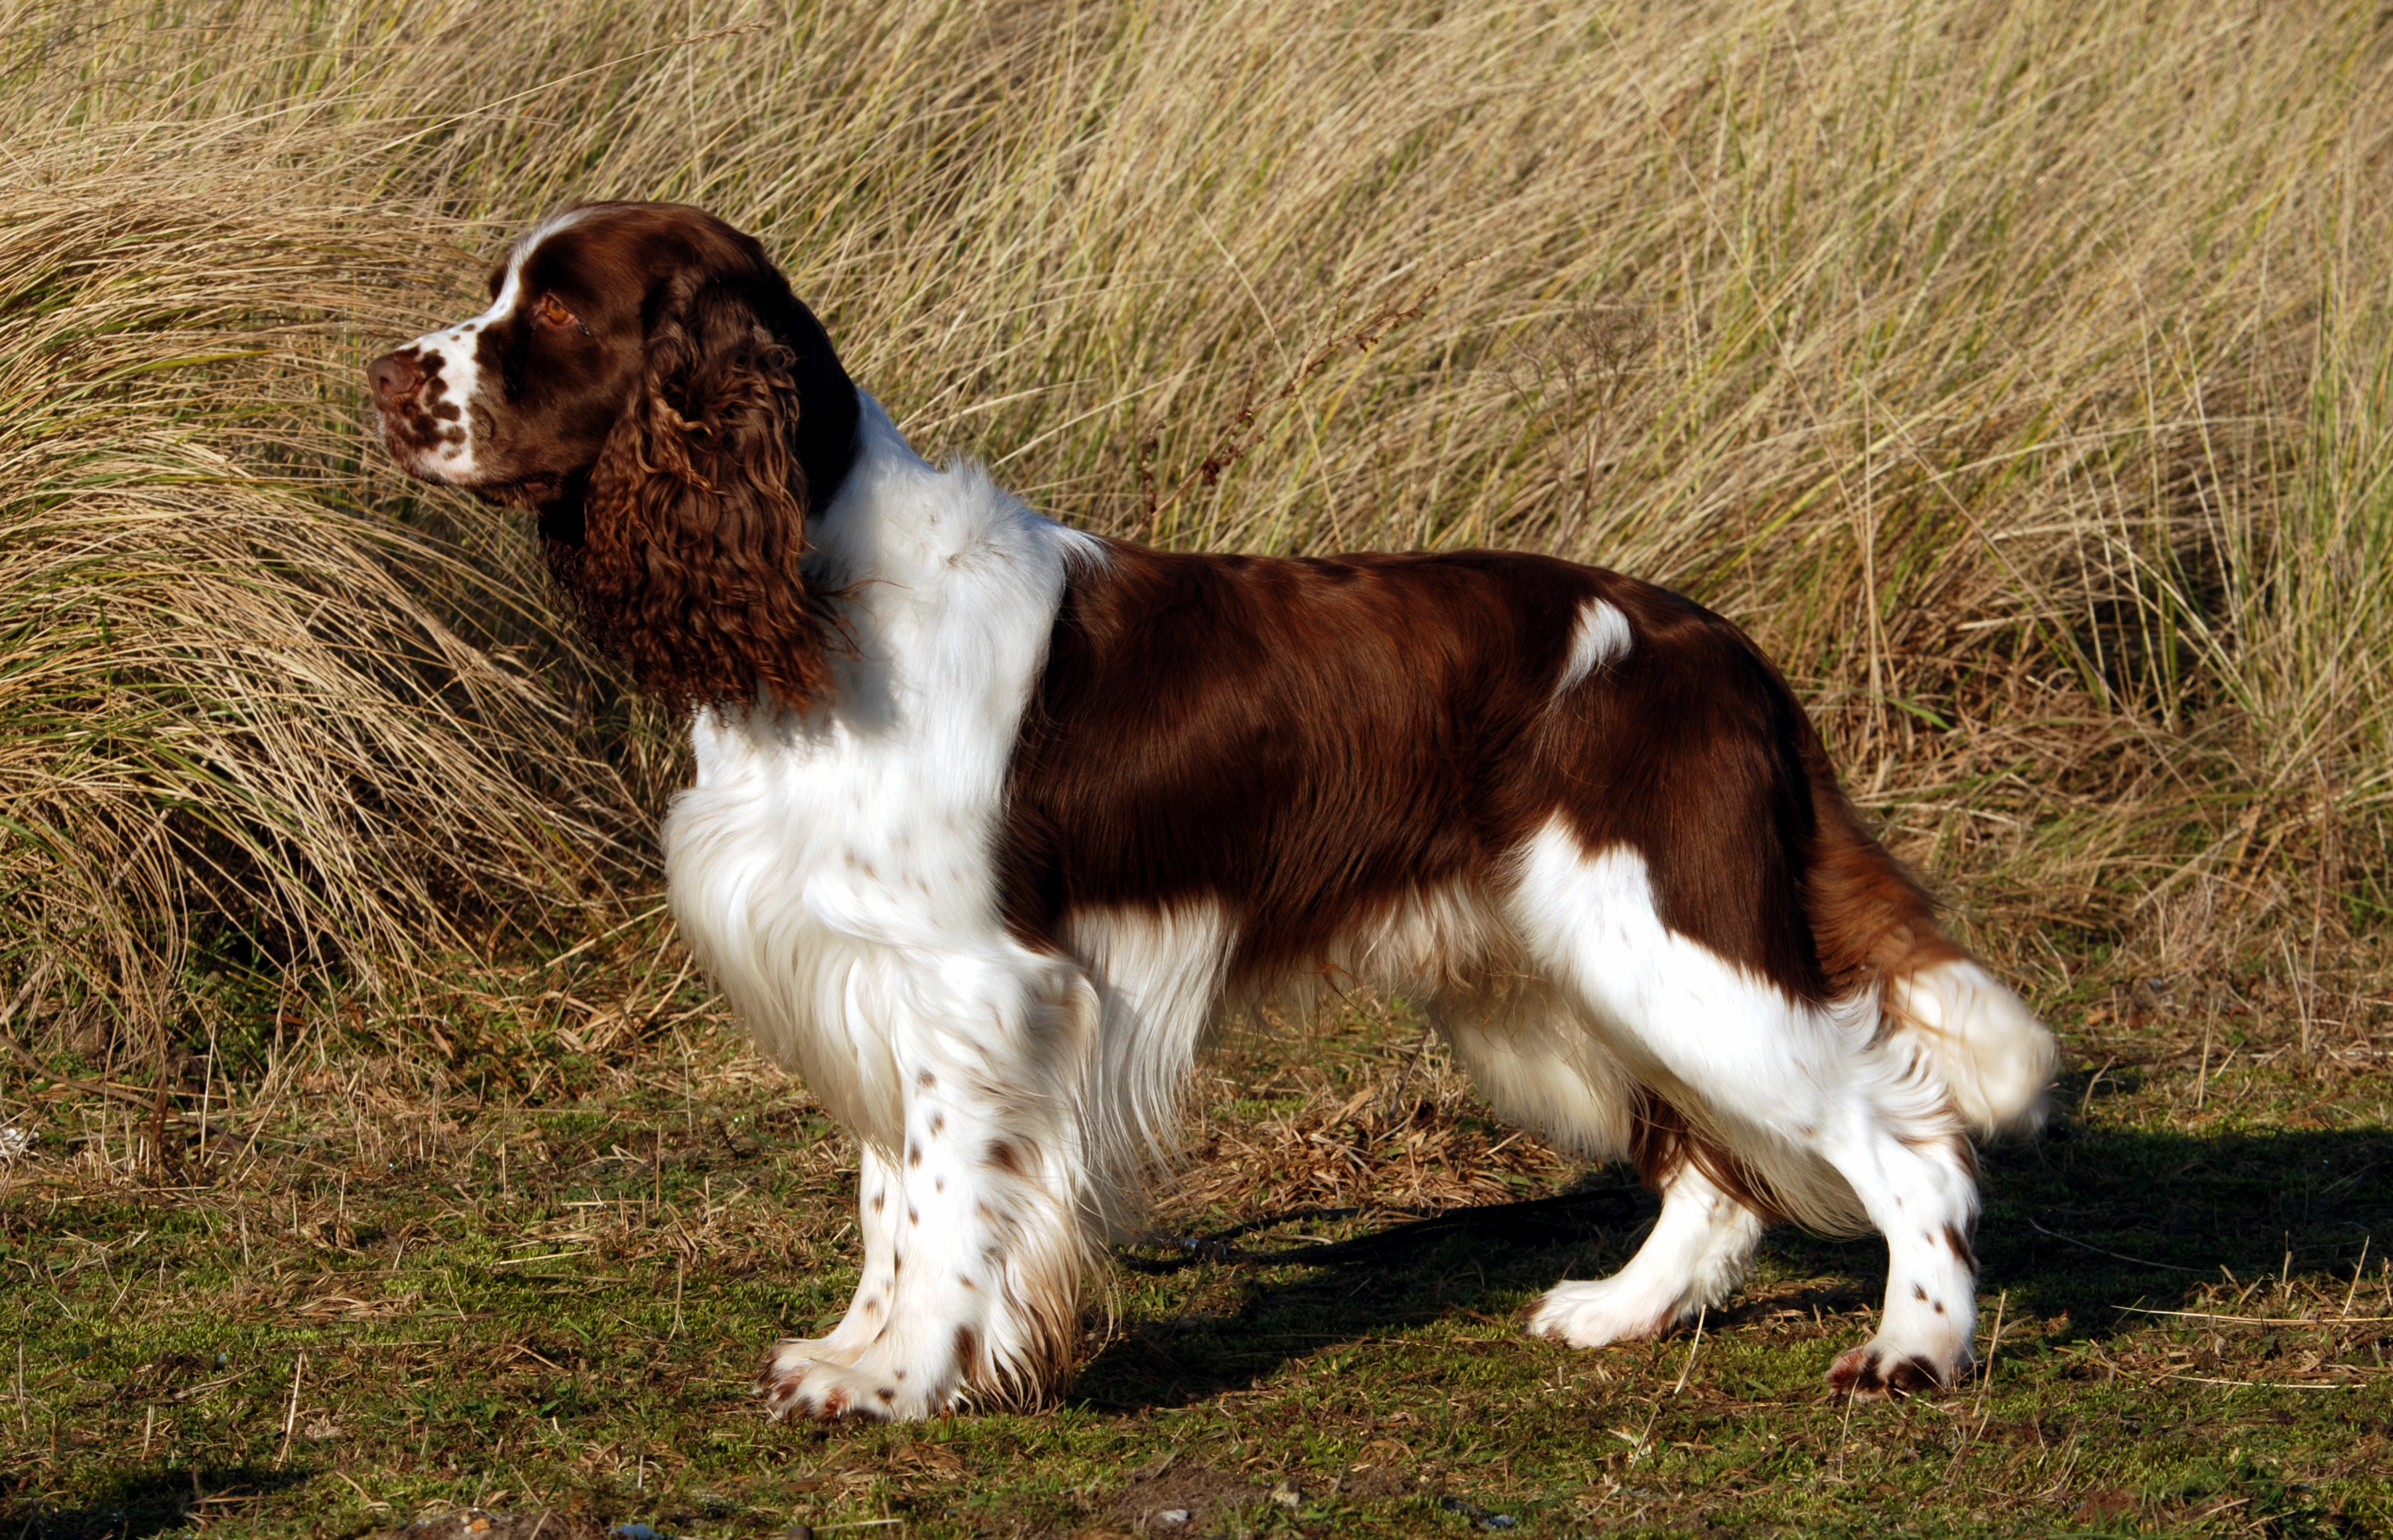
column 1834, row 1122
column 1907, row 1161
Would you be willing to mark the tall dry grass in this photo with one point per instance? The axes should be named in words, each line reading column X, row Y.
column 2021, row 373
column 236, row 709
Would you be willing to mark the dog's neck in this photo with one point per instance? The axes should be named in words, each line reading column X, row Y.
column 925, row 559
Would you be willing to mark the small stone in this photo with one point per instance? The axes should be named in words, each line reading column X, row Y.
column 1172, row 1516
column 1289, row 1494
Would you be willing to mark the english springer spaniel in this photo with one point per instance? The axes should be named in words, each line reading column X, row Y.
column 992, row 817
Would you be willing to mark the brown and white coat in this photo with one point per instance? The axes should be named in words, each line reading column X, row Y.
column 993, row 816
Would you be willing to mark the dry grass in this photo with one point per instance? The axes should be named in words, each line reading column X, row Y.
column 1279, row 1129
column 232, row 699
column 2021, row 375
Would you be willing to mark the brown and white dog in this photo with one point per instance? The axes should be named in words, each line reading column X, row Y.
column 991, row 818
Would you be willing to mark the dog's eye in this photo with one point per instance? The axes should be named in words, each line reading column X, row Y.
column 549, row 312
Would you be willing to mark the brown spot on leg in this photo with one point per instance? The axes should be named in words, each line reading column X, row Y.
column 1960, row 1244
column 1865, row 1372
column 926, row 1080
column 1918, row 1291
column 914, row 1154
column 938, row 1121
column 967, row 1346
column 1855, row 1373
column 1005, row 1157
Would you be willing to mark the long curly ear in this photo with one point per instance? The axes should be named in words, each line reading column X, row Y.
column 695, row 520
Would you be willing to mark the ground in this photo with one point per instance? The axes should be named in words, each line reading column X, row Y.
column 533, row 1272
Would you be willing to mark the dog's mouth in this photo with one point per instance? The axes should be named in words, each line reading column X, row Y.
column 555, row 498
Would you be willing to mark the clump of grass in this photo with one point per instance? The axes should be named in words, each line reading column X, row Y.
column 238, row 711
column 1375, row 1116
column 2018, row 375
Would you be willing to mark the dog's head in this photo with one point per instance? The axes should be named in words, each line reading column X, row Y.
column 645, row 383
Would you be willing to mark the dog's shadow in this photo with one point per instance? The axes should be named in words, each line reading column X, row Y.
column 2076, row 1225
column 154, row 1500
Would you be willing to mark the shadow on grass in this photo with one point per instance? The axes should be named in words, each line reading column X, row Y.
column 142, row 1502
column 2076, row 1225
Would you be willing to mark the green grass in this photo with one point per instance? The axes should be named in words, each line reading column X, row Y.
column 352, row 1308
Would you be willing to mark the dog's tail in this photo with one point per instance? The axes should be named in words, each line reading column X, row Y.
column 1876, row 930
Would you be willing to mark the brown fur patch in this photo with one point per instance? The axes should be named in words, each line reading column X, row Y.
column 1661, row 1140
column 968, row 1348
column 1308, row 743
column 1961, row 1248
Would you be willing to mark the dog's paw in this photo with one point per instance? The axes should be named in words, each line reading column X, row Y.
column 795, row 1355
column 823, row 1388
column 1883, row 1368
column 1593, row 1314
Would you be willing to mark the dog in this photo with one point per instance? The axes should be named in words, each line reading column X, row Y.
column 993, row 819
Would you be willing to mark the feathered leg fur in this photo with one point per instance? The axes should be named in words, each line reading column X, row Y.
column 979, row 1209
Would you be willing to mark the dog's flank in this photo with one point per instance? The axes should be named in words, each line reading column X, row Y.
column 993, row 819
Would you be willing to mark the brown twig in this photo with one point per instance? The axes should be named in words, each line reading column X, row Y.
column 291, row 1418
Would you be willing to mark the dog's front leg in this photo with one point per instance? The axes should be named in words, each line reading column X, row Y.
column 880, row 1205
column 987, row 1240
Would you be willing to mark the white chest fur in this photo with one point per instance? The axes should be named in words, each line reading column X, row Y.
column 830, row 869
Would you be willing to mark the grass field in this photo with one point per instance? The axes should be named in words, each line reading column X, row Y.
column 2019, row 374
column 385, row 1286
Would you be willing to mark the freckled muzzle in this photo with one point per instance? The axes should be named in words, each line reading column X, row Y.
column 421, row 423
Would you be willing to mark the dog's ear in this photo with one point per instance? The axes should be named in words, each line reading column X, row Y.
column 694, row 521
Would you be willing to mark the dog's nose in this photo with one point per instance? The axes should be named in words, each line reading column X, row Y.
column 395, row 377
